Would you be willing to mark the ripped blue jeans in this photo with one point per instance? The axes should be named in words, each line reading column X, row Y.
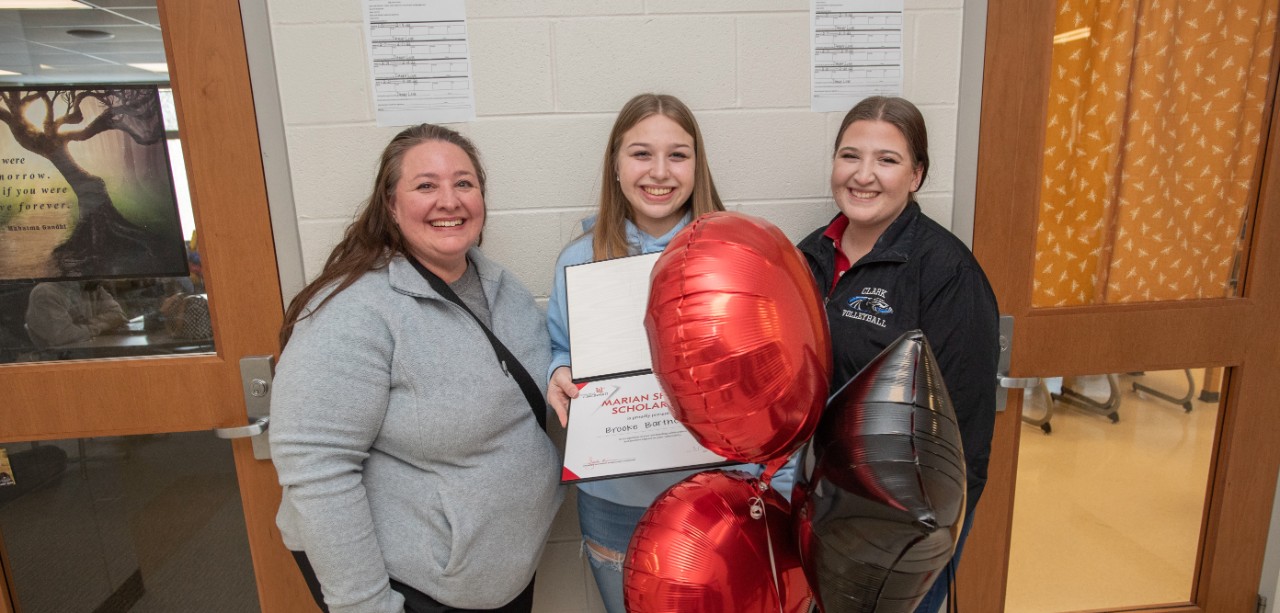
column 606, row 531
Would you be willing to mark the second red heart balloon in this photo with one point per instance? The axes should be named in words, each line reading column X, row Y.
column 715, row 542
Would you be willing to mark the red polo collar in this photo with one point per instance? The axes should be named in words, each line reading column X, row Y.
column 834, row 232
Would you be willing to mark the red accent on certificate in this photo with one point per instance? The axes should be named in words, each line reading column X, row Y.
column 623, row 426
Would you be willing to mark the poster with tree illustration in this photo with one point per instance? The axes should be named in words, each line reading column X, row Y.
column 85, row 189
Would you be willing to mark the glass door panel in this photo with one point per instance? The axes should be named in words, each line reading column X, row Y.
column 1155, row 122
column 139, row 523
column 98, row 250
column 1110, row 500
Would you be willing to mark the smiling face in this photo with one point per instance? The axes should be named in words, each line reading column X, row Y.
column 655, row 166
column 873, row 175
column 438, row 206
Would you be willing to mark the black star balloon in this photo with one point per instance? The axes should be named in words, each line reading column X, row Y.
column 880, row 496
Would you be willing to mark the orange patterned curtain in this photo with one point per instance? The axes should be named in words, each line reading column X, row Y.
column 1156, row 111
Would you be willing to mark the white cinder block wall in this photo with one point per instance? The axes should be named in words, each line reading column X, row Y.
column 549, row 77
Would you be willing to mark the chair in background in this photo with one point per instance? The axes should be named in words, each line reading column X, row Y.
column 1040, row 402
column 1109, row 407
column 1183, row 401
column 1037, row 407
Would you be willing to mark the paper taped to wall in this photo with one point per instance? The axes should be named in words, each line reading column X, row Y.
column 421, row 61
column 857, row 51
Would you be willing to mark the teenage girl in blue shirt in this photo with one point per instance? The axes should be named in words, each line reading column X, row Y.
column 655, row 180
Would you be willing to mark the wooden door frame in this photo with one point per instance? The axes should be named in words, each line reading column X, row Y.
column 209, row 70
column 1209, row 332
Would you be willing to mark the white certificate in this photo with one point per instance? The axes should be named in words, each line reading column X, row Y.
column 623, row 426
column 606, row 302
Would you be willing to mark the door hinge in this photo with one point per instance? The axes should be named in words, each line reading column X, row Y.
column 1262, row 604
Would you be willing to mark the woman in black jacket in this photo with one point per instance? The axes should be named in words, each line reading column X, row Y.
column 885, row 268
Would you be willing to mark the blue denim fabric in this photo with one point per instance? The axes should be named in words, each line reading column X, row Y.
column 608, row 525
column 937, row 595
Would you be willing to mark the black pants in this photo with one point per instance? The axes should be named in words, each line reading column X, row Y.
column 415, row 601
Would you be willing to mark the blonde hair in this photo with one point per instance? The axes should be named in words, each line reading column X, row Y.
column 609, row 236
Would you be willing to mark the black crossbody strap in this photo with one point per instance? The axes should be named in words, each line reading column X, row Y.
column 508, row 360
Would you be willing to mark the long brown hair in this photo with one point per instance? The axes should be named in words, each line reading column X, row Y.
column 373, row 238
column 899, row 113
column 609, row 236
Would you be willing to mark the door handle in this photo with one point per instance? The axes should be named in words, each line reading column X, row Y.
column 1017, row 383
column 256, row 372
column 258, row 426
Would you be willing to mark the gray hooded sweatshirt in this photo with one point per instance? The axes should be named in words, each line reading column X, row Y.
column 405, row 450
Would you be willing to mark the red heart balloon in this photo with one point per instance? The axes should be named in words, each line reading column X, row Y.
column 705, row 545
column 739, row 338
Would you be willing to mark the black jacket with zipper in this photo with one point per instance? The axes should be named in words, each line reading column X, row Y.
column 918, row 276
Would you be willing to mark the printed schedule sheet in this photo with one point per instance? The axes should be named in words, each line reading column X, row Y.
column 857, row 51
column 421, row 61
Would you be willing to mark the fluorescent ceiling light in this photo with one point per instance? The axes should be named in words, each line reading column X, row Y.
column 153, row 67
column 41, row 4
column 6, row 73
column 1071, row 35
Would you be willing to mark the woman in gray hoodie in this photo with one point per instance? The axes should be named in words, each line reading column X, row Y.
column 416, row 476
